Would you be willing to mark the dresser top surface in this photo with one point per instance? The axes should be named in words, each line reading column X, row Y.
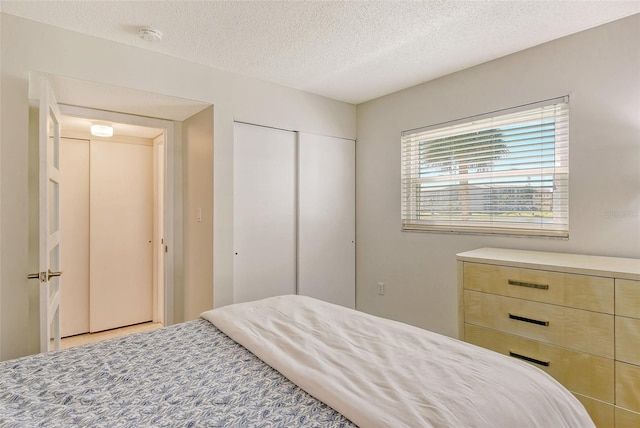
column 572, row 263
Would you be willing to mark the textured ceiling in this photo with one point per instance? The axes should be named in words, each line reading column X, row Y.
column 352, row 51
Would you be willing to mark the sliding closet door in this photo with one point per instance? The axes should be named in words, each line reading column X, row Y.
column 121, row 207
column 264, row 213
column 326, row 222
column 74, row 231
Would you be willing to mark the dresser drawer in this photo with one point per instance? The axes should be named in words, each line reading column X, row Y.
column 628, row 386
column 578, row 291
column 576, row 329
column 628, row 298
column 602, row 414
column 627, row 419
column 628, row 340
column 579, row 372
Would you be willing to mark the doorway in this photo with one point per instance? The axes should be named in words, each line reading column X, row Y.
column 112, row 197
column 187, row 214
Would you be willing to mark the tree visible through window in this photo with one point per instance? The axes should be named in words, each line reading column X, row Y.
column 505, row 174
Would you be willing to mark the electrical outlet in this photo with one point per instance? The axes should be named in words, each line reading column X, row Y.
column 381, row 288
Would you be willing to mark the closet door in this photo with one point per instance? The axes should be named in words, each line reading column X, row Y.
column 326, row 222
column 264, row 227
column 121, row 207
column 74, row 229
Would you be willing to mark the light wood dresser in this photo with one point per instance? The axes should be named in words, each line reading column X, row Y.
column 576, row 317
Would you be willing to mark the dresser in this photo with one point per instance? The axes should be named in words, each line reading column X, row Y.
column 576, row 317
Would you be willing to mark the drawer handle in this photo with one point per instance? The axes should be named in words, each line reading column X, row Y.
column 529, row 320
column 529, row 284
column 529, row 359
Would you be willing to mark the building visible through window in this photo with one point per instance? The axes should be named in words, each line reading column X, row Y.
column 502, row 173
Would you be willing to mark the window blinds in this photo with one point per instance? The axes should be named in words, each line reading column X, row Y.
column 503, row 173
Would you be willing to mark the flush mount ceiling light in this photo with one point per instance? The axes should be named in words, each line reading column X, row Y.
column 150, row 34
column 101, row 130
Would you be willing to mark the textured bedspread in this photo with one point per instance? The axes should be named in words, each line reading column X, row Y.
column 187, row 375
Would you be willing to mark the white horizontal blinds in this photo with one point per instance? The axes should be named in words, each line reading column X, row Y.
column 503, row 174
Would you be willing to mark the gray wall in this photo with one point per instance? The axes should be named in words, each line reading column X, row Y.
column 599, row 69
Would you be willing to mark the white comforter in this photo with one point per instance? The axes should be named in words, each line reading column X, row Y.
column 382, row 373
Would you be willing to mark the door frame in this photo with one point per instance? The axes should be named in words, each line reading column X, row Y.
column 168, row 189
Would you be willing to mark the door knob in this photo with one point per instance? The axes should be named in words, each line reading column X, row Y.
column 52, row 274
column 34, row 275
column 44, row 276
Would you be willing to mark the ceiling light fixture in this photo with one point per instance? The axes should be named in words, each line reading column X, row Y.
column 150, row 34
column 101, row 130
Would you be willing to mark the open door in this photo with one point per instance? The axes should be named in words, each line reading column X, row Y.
column 49, row 219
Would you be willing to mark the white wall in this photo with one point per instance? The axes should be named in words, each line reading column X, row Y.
column 27, row 46
column 197, row 151
column 1, row 246
column 599, row 69
column 158, row 228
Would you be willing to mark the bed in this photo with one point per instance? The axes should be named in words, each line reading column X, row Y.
column 287, row 361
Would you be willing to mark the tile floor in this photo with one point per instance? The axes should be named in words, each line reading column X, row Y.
column 82, row 339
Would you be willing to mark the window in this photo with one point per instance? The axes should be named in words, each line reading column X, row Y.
column 501, row 173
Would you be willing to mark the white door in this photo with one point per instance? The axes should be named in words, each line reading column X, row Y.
column 326, row 219
column 121, row 230
column 49, row 219
column 264, row 219
column 74, row 199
